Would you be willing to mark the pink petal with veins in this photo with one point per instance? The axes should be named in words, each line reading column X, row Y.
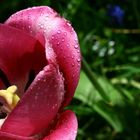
column 39, row 105
column 61, row 41
column 66, row 128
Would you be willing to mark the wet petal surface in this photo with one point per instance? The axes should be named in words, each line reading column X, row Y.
column 39, row 105
column 59, row 39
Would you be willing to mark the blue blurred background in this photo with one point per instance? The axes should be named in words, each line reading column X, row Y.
column 107, row 100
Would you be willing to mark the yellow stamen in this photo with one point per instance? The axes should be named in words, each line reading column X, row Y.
column 10, row 96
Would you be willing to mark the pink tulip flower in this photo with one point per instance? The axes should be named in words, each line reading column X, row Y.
column 40, row 56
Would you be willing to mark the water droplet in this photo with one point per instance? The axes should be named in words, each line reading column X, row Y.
column 63, row 40
column 65, row 33
column 68, row 23
column 58, row 43
column 38, row 79
column 41, row 26
column 68, row 45
column 73, row 64
column 29, row 27
column 75, row 132
column 41, row 14
column 78, row 60
column 76, row 46
column 46, row 15
column 78, row 51
column 58, row 31
column 52, row 37
column 76, row 39
column 45, row 31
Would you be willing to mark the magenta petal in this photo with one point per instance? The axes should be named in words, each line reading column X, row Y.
column 42, row 22
column 66, row 128
column 39, row 104
column 18, row 52
column 8, row 136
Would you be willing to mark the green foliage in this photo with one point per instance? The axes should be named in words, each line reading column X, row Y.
column 107, row 100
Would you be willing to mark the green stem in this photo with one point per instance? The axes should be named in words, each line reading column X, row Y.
column 94, row 80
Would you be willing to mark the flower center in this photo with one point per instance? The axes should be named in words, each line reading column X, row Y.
column 9, row 99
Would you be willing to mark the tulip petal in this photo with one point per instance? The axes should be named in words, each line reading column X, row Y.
column 8, row 136
column 43, row 22
column 66, row 128
column 39, row 105
column 19, row 54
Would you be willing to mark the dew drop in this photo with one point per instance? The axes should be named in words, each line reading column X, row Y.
column 29, row 27
column 76, row 39
column 68, row 45
column 78, row 60
column 58, row 31
column 38, row 79
column 41, row 26
column 63, row 40
column 41, row 14
column 65, row 33
column 78, row 51
column 73, row 64
column 76, row 46
column 68, row 23
column 73, row 76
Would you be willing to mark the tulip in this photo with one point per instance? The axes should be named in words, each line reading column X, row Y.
column 39, row 72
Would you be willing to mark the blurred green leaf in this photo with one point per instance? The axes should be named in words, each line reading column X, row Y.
column 87, row 93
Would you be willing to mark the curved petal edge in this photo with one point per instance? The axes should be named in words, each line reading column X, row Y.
column 66, row 128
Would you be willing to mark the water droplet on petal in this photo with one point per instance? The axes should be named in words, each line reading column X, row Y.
column 68, row 45
column 52, row 37
column 78, row 51
column 58, row 31
column 73, row 76
column 76, row 46
column 38, row 79
column 78, row 60
column 76, row 39
column 63, row 40
column 73, row 64
column 68, row 23
column 65, row 33
column 29, row 26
